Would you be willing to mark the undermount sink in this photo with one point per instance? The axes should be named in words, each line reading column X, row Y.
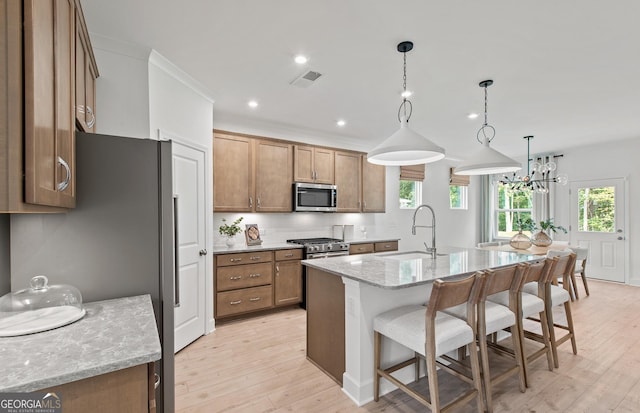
column 410, row 255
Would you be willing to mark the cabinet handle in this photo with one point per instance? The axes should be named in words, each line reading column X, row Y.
column 235, row 259
column 92, row 121
column 364, row 203
column 254, row 258
column 277, row 268
column 203, row 252
column 258, row 202
column 387, row 246
column 288, row 255
column 235, row 278
column 255, row 275
column 255, row 299
column 235, row 302
column 64, row 184
column 250, row 202
column 156, row 381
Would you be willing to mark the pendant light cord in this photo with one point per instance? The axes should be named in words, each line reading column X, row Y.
column 403, row 105
column 485, row 126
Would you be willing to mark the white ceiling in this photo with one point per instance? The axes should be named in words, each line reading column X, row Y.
column 566, row 71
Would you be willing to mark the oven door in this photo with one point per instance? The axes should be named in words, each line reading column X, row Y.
column 327, row 254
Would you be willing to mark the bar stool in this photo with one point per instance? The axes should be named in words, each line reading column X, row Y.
column 555, row 296
column 530, row 304
column 492, row 318
column 430, row 333
column 581, row 258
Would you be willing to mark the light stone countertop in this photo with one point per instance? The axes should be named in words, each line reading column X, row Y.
column 243, row 247
column 372, row 240
column 113, row 335
column 393, row 270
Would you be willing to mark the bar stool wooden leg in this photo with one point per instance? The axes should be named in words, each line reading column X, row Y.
column 377, row 340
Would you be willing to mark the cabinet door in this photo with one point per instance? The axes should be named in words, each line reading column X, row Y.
column 303, row 164
column 49, row 80
column 348, row 181
column 86, row 74
column 323, row 161
column 274, row 162
column 233, row 184
column 373, row 186
column 288, row 282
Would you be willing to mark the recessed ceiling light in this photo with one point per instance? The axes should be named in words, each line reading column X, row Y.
column 341, row 122
column 300, row 59
column 406, row 94
column 472, row 115
column 253, row 104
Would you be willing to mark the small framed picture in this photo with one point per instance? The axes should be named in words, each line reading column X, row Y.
column 252, row 234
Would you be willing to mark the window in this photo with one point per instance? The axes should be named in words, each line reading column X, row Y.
column 410, row 194
column 457, row 197
column 511, row 206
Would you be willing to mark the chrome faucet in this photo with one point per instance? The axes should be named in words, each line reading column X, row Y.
column 431, row 249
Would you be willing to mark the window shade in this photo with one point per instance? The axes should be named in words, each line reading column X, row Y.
column 458, row 180
column 412, row 173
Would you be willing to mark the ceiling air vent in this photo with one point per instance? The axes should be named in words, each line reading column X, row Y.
column 306, row 79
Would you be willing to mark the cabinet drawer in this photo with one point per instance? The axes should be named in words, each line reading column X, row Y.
column 293, row 254
column 360, row 248
column 242, row 276
column 386, row 246
column 240, row 301
column 244, row 258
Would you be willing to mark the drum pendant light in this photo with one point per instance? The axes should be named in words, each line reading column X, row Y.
column 486, row 160
column 405, row 147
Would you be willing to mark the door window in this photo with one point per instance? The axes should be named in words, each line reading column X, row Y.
column 596, row 209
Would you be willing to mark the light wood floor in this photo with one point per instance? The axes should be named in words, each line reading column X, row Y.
column 259, row 365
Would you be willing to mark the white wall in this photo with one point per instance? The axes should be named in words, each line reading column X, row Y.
column 122, row 90
column 608, row 160
column 181, row 110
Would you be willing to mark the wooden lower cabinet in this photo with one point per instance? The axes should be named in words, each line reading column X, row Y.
column 244, row 300
column 366, row 248
column 288, row 277
column 385, row 246
column 246, row 282
column 127, row 390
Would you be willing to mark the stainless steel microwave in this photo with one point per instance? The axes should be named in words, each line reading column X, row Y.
column 314, row 197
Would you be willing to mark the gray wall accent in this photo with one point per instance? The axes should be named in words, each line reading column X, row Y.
column 5, row 255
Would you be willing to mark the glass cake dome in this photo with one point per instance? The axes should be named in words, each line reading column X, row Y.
column 38, row 308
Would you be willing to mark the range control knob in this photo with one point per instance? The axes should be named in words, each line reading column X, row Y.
column 329, row 247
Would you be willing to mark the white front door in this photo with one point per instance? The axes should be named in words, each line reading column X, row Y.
column 597, row 222
column 189, row 187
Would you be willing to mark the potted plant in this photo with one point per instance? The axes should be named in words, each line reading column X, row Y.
column 542, row 238
column 521, row 241
column 230, row 230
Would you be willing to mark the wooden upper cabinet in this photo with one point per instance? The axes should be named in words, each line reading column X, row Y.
column 274, row 161
column 348, row 178
column 313, row 164
column 373, row 186
column 86, row 74
column 49, row 89
column 233, row 185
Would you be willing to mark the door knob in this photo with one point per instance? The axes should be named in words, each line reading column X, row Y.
column 620, row 238
column 203, row 252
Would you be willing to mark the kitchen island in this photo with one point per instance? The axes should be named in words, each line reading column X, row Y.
column 344, row 294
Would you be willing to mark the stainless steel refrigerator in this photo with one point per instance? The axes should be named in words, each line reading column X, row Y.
column 118, row 241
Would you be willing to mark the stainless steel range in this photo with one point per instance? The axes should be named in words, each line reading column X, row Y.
column 322, row 247
column 318, row 248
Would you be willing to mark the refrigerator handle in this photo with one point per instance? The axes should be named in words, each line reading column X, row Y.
column 176, row 255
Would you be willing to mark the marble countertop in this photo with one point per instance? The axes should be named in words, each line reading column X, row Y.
column 113, row 335
column 393, row 270
column 242, row 247
column 366, row 240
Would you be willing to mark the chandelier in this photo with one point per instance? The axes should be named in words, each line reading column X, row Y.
column 538, row 177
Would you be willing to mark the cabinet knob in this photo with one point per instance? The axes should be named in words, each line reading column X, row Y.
column 203, row 252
